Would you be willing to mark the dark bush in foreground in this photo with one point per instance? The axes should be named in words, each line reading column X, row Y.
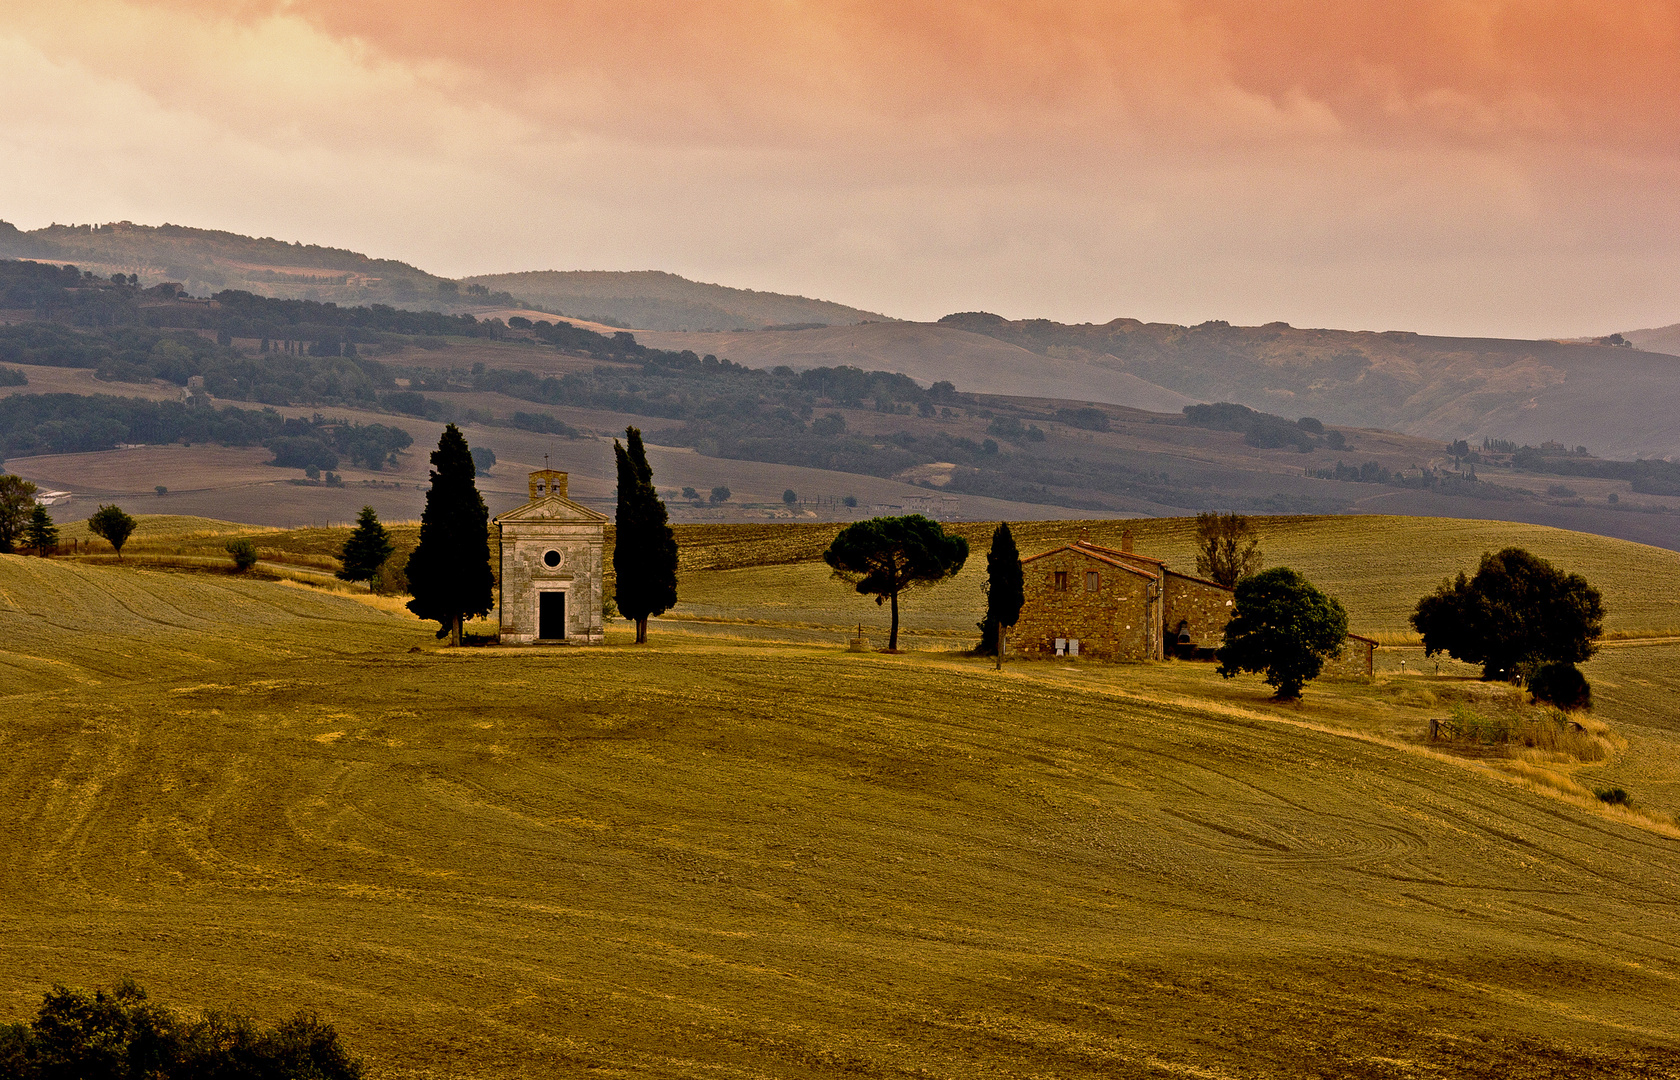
column 120, row 1035
column 1562, row 685
column 1614, row 796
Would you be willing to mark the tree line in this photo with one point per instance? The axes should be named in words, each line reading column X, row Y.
column 74, row 423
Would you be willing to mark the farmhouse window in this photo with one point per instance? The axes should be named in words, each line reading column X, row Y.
column 1061, row 581
column 1092, row 581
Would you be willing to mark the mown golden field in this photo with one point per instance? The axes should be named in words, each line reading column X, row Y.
column 740, row 851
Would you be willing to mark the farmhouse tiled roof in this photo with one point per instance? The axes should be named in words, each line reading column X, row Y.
column 1089, row 552
column 1200, row 581
column 1122, row 554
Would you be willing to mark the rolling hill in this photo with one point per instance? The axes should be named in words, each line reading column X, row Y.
column 206, row 261
column 1618, row 402
column 1615, row 401
column 1662, row 339
column 655, row 300
column 741, row 858
column 929, row 353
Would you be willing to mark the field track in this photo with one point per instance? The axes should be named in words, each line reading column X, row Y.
column 710, row 857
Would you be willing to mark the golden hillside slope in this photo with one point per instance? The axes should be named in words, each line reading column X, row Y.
column 747, row 860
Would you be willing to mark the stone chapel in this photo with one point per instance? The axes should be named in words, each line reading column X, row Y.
column 552, row 562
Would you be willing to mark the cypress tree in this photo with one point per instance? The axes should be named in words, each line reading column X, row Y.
column 367, row 549
column 449, row 572
column 1005, row 589
column 644, row 547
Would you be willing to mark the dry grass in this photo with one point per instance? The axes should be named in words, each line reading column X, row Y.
column 741, row 858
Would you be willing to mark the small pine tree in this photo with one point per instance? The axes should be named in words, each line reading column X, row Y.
column 41, row 534
column 367, row 548
column 449, row 573
column 644, row 548
column 1005, row 589
column 112, row 524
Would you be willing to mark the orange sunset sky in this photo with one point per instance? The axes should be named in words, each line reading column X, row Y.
column 1480, row 166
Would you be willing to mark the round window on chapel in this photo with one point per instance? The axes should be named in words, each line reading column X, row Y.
column 551, row 558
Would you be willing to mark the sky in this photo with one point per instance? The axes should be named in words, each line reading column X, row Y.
column 1502, row 167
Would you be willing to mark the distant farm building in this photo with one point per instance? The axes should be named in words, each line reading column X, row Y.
column 1087, row 600
column 553, row 553
column 1358, row 659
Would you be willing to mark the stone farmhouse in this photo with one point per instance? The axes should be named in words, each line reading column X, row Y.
column 1087, row 600
column 552, row 563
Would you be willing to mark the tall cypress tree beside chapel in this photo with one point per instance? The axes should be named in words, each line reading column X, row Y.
column 449, row 573
column 644, row 547
column 1005, row 589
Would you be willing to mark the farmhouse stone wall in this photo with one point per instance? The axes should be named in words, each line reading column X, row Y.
column 1357, row 661
column 1202, row 607
column 552, row 544
column 1119, row 620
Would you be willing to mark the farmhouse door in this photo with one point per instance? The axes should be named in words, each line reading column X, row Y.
column 551, row 615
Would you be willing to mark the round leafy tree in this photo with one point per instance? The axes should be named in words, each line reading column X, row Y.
column 884, row 556
column 1005, row 589
column 115, row 526
column 367, row 548
column 1518, row 613
column 449, row 572
column 17, row 502
column 1283, row 626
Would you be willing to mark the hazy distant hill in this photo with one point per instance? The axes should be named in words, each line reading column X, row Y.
column 655, row 300
column 208, row 261
column 1619, row 402
column 1663, row 339
column 929, row 353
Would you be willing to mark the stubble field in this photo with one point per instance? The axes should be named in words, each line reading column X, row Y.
column 748, row 858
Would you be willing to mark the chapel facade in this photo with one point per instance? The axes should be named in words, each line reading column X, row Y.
column 553, row 555
column 1086, row 600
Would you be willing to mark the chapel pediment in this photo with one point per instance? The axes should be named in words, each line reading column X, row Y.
column 551, row 509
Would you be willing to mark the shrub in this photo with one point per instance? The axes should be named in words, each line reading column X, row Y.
column 690, row 493
column 484, row 459
column 850, row 502
column 789, row 497
column 1562, row 685
column 392, row 578
column 120, row 1035
column 720, row 494
column 1088, row 418
column 1614, row 796
column 829, row 426
column 302, row 451
column 244, row 554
